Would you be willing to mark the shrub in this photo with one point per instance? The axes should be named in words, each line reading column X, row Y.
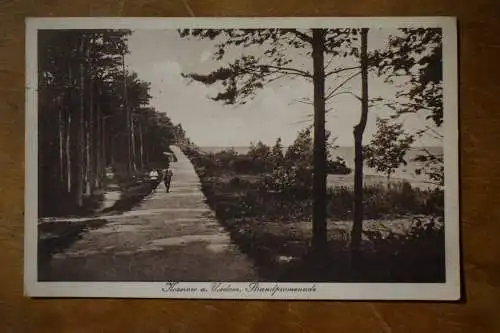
column 405, row 255
column 338, row 167
column 292, row 181
column 380, row 201
column 434, row 203
column 245, row 165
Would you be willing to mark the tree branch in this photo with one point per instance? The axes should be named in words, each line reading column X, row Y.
column 433, row 133
column 395, row 105
column 339, row 70
column 438, row 157
column 346, row 92
column 436, row 133
column 329, row 62
column 341, row 85
column 277, row 77
column 301, row 35
column 286, row 70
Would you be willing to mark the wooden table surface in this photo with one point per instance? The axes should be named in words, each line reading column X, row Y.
column 479, row 34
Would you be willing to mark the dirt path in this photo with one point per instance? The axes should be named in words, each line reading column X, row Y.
column 169, row 237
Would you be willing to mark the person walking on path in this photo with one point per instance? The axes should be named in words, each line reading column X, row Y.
column 154, row 177
column 167, row 179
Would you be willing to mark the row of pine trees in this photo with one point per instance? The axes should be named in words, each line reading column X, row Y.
column 94, row 116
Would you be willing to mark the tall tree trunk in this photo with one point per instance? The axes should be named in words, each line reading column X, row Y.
column 319, row 236
column 357, row 227
column 60, row 141
column 104, row 145
column 98, row 144
column 64, row 127
column 141, row 147
column 132, row 135
column 67, row 101
column 128, row 120
column 146, row 147
column 69, row 156
column 80, row 126
column 88, row 140
column 74, row 139
column 92, row 169
column 85, row 117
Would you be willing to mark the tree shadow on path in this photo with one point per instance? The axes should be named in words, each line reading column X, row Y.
column 55, row 237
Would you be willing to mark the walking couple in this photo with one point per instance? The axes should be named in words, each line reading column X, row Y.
column 166, row 176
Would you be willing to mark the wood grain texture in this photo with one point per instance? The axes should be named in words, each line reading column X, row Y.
column 480, row 177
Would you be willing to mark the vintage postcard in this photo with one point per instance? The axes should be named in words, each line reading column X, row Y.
column 242, row 158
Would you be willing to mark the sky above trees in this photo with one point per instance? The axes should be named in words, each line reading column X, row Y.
column 278, row 110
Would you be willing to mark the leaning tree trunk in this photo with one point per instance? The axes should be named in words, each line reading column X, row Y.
column 357, row 227
column 319, row 237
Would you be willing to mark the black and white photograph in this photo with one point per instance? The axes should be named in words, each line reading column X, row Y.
column 242, row 158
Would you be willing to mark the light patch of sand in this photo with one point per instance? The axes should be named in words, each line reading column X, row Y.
column 285, row 258
column 77, row 254
column 119, row 228
column 193, row 219
column 217, row 248
column 182, row 240
column 110, row 198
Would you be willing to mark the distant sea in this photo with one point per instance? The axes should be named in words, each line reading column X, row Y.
column 404, row 172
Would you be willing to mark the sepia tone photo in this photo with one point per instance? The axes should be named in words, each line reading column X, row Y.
column 240, row 158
